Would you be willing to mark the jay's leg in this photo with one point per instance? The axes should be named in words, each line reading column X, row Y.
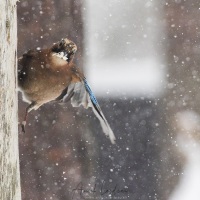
column 28, row 109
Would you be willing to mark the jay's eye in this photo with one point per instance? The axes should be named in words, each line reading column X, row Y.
column 62, row 42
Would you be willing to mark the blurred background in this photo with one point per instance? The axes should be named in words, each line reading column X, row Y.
column 142, row 61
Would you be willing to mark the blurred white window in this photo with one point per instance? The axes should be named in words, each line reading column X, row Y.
column 123, row 47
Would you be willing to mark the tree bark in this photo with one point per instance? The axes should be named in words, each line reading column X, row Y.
column 9, row 154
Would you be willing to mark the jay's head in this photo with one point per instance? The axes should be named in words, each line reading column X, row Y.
column 65, row 49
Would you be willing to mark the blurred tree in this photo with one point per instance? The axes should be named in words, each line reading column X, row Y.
column 9, row 157
column 183, row 79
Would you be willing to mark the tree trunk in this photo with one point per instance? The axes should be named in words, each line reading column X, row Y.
column 9, row 154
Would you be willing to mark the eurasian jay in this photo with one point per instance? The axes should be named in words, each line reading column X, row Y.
column 49, row 74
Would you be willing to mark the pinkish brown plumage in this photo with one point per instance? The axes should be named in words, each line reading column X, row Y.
column 49, row 74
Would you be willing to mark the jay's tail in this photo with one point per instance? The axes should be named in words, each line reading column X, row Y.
column 81, row 94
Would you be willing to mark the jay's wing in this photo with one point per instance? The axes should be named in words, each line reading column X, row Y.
column 80, row 93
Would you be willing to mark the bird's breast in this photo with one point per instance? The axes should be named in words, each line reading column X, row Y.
column 45, row 79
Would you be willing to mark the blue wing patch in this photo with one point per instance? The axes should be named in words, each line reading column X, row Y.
column 91, row 94
column 97, row 111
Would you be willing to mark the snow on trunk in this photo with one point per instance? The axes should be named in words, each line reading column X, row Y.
column 9, row 154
